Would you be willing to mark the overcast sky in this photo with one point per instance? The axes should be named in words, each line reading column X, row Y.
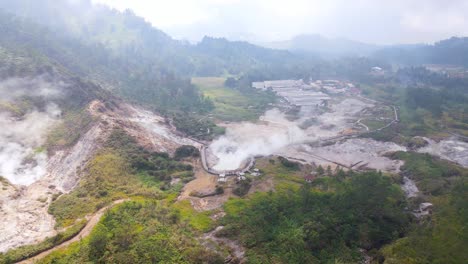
column 373, row 21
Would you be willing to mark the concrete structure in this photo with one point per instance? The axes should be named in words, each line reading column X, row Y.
column 222, row 180
column 224, row 174
column 259, row 85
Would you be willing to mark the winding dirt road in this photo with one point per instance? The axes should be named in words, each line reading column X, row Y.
column 93, row 220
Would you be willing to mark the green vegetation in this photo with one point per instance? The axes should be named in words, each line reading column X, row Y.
column 123, row 169
column 151, row 228
column 281, row 175
column 326, row 221
column 429, row 103
column 133, row 75
column 146, row 231
column 69, row 130
column 108, row 179
column 289, row 164
column 446, row 52
column 186, row 151
column 24, row 252
column 310, row 225
column 197, row 126
column 242, row 187
column 200, row 221
column 442, row 237
column 433, row 176
column 233, row 104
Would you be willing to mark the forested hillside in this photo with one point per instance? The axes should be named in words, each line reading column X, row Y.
column 450, row 51
column 147, row 63
column 158, row 88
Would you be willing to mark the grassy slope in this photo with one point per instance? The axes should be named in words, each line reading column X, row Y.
column 139, row 231
column 230, row 104
column 443, row 237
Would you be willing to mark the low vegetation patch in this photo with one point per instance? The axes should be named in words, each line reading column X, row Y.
column 242, row 187
column 25, row 252
column 200, row 221
column 197, row 126
column 68, row 131
column 186, row 152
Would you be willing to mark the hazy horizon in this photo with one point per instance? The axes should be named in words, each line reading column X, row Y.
column 373, row 22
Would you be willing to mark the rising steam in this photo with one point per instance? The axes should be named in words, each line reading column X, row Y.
column 22, row 161
column 247, row 140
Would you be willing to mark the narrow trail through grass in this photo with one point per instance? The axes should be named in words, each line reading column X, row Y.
column 93, row 221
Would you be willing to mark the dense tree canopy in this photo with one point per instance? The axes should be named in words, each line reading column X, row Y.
column 307, row 225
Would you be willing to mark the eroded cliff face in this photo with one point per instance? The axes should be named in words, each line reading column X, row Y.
column 24, row 217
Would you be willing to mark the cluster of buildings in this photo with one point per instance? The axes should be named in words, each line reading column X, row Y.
column 299, row 93
column 240, row 176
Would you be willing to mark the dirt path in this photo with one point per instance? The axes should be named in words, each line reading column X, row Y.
column 93, row 220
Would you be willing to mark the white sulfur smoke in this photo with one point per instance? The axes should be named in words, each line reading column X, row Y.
column 247, row 140
column 22, row 161
column 13, row 88
column 275, row 132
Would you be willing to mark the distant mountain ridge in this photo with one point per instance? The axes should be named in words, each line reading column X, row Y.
column 319, row 45
column 133, row 55
column 453, row 51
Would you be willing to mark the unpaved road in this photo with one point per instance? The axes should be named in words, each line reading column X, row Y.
column 93, row 220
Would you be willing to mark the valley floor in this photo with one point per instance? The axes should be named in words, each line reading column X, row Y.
column 202, row 201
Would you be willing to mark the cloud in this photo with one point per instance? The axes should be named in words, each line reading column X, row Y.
column 398, row 21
